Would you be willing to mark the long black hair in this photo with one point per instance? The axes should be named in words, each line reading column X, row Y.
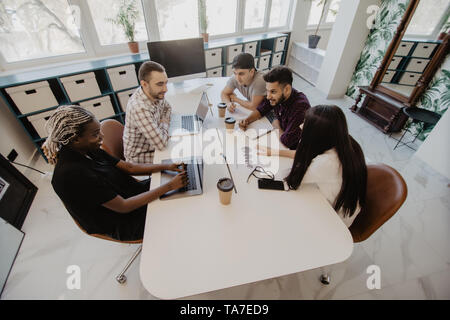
column 324, row 128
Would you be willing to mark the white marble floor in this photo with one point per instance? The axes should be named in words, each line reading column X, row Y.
column 412, row 249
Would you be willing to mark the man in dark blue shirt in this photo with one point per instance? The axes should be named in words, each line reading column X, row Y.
column 289, row 106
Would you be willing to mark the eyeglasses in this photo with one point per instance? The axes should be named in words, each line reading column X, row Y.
column 259, row 173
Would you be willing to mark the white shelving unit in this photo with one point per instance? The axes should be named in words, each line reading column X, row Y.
column 306, row 62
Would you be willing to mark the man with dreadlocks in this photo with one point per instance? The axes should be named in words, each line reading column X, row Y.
column 98, row 189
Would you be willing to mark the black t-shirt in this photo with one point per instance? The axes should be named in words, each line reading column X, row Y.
column 84, row 183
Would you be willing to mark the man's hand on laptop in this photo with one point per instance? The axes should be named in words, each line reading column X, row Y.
column 179, row 181
column 179, row 167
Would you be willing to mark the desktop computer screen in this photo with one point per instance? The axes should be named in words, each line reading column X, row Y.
column 179, row 57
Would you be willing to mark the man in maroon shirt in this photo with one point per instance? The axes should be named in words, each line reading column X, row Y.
column 289, row 106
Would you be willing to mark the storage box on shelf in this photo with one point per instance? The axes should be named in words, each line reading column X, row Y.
column 124, row 96
column 32, row 97
column 81, row 86
column 123, row 77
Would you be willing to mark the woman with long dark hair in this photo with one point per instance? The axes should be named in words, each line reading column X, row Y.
column 328, row 156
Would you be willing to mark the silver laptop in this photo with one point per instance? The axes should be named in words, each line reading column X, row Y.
column 192, row 123
column 194, row 169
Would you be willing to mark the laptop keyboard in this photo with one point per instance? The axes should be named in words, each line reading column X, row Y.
column 191, row 177
column 187, row 123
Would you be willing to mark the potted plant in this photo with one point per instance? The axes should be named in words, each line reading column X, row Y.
column 203, row 20
column 313, row 39
column 126, row 18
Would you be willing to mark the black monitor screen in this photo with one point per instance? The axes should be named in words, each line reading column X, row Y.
column 179, row 57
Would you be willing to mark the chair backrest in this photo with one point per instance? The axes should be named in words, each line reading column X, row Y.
column 386, row 192
column 112, row 137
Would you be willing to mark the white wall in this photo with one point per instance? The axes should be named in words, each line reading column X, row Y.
column 344, row 48
column 435, row 150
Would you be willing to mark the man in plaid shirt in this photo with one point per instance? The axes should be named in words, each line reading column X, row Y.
column 147, row 116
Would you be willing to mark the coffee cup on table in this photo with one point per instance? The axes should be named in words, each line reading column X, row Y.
column 230, row 122
column 222, row 109
column 225, row 187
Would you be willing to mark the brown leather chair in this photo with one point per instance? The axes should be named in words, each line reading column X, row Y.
column 385, row 194
column 112, row 137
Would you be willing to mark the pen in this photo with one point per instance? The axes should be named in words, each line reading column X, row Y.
column 229, row 171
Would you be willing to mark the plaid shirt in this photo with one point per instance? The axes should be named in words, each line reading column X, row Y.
column 144, row 127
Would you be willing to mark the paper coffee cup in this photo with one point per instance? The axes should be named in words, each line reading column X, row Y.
column 230, row 122
column 222, row 109
column 225, row 187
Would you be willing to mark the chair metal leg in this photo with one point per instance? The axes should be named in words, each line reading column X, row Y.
column 325, row 279
column 121, row 278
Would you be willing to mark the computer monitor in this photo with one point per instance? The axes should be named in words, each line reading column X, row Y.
column 182, row 59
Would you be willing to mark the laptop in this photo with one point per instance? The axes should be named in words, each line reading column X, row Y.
column 194, row 170
column 192, row 123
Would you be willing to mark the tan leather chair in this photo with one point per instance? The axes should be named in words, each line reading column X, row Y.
column 121, row 278
column 385, row 194
column 112, row 137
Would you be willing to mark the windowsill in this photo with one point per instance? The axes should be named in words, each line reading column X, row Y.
column 220, row 42
column 65, row 63
column 322, row 27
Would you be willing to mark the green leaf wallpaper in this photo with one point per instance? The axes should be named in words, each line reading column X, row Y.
column 436, row 98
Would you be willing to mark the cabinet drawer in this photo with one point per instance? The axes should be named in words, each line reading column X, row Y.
column 280, row 43
column 123, row 77
column 39, row 120
column 101, row 107
column 424, row 50
column 388, row 76
column 264, row 62
column 404, row 48
column 276, row 59
column 216, row 72
column 395, row 62
column 409, row 78
column 32, row 97
column 417, row 65
column 213, row 58
column 250, row 48
column 81, row 86
column 124, row 96
column 233, row 51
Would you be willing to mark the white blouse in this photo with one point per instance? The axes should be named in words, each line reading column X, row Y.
column 326, row 171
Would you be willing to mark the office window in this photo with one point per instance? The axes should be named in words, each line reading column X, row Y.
column 279, row 13
column 110, row 33
column 332, row 11
column 316, row 11
column 427, row 18
column 255, row 11
column 177, row 19
column 37, row 29
column 221, row 16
